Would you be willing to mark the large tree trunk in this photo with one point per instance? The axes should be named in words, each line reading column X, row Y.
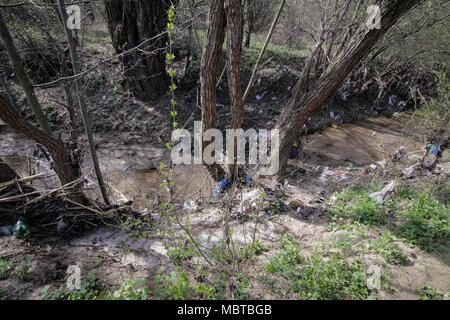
column 6, row 173
column 19, row 70
column 304, row 102
column 130, row 24
column 233, row 10
column 212, row 49
column 67, row 169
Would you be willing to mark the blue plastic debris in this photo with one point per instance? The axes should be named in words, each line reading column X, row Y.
column 6, row 230
column 435, row 148
column 294, row 152
column 222, row 186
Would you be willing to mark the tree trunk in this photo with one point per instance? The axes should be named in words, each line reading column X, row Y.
column 6, row 173
column 304, row 103
column 209, row 70
column 65, row 167
column 82, row 103
column 249, row 22
column 19, row 71
column 233, row 10
column 130, row 24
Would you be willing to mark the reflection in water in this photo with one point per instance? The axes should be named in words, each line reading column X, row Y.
column 147, row 187
column 364, row 141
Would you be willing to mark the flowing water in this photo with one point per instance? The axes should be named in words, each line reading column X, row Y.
column 362, row 142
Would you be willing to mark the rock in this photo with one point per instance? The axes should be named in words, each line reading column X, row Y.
column 381, row 195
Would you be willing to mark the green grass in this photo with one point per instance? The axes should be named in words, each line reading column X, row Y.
column 427, row 292
column 426, row 222
column 418, row 217
column 323, row 275
column 355, row 205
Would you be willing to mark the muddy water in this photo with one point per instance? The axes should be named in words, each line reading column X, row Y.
column 147, row 187
column 366, row 141
column 361, row 142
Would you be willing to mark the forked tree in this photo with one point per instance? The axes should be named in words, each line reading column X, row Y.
column 308, row 97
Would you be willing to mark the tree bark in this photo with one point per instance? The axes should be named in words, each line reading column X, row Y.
column 130, row 23
column 82, row 103
column 64, row 166
column 209, row 70
column 19, row 70
column 6, row 173
column 304, row 103
column 233, row 10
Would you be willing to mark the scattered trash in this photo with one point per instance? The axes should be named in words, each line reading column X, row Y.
column 259, row 97
column 20, row 230
column 61, row 226
column 374, row 134
column 251, row 195
column 408, row 172
column 332, row 114
column 225, row 181
column 6, row 230
column 294, row 152
column 434, row 149
column 333, row 200
column 373, row 166
column 399, row 154
column 190, row 206
column 393, row 100
column 381, row 195
column 208, row 241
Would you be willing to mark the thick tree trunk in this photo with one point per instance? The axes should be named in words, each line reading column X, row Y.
column 209, row 70
column 66, row 169
column 233, row 10
column 6, row 173
column 130, row 24
column 304, row 103
column 19, row 70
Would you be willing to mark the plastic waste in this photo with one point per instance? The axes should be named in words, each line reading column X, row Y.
column 294, row 151
column 20, row 230
column 225, row 181
column 6, row 230
column 434, row 149
column 381, row 195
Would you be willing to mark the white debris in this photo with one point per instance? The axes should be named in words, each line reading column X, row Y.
column 381, row 195
column 190, row 206
column 408, row 172
column 373, row 166
column 333, row 200
column 207, row 240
